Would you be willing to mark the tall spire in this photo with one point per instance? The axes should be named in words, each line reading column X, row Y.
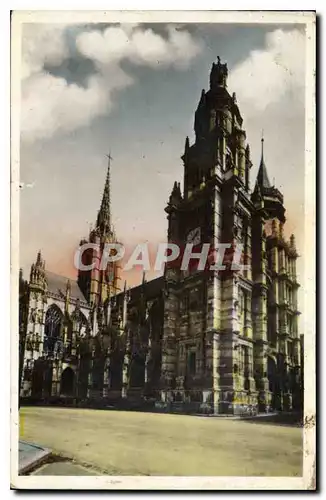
column 262, row 177
column 104, row 215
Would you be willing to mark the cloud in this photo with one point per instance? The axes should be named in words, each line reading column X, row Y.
column 270, row 89
column 268, row 75
column 51, row 104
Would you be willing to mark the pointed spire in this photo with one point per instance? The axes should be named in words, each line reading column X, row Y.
column 274, row 228
column 262, row 177
column 67, row 298
column 202, row 98
column 144, row 278
column 104, row 214
column 94, row 318
column 187, row 145
column 37, row 275
column 39, row 258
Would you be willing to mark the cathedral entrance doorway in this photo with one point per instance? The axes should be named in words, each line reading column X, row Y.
column 137, row 371
column 273, row 382
column 67, row 382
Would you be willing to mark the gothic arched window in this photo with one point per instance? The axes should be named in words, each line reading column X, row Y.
column 82, row 325
column 52, row 329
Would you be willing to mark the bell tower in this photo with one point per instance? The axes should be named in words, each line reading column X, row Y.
column 99, row 284
column 275, row 302
column 202, row 328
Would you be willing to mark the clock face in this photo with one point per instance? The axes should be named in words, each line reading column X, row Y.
column 194, row 236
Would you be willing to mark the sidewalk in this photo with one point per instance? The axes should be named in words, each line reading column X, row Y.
column 30, row 456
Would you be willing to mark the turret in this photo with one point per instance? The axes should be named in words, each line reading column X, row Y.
column 273, row 198
column 126, row 298
column 187, row 146
column 201, row 124
column 175, row 196
column 97, row 284
column 248, row 166
column 293, row 247
column 292, row 242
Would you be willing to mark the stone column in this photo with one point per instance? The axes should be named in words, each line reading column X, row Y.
column 26, row 384
column 126, row 366
column 169, row 358
column 260, row 312
column 90, row 375
column 95, row 273
column 74, row 338
column 33, row 347
column 149, row 352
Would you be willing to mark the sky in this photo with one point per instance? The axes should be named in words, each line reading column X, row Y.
column 133, row 90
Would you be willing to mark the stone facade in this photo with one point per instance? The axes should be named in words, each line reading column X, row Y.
column 226, row 341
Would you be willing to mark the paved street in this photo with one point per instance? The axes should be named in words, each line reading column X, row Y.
column 130, row 443
column 29, row 455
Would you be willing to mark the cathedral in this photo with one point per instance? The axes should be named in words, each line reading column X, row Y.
column 207, row 341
